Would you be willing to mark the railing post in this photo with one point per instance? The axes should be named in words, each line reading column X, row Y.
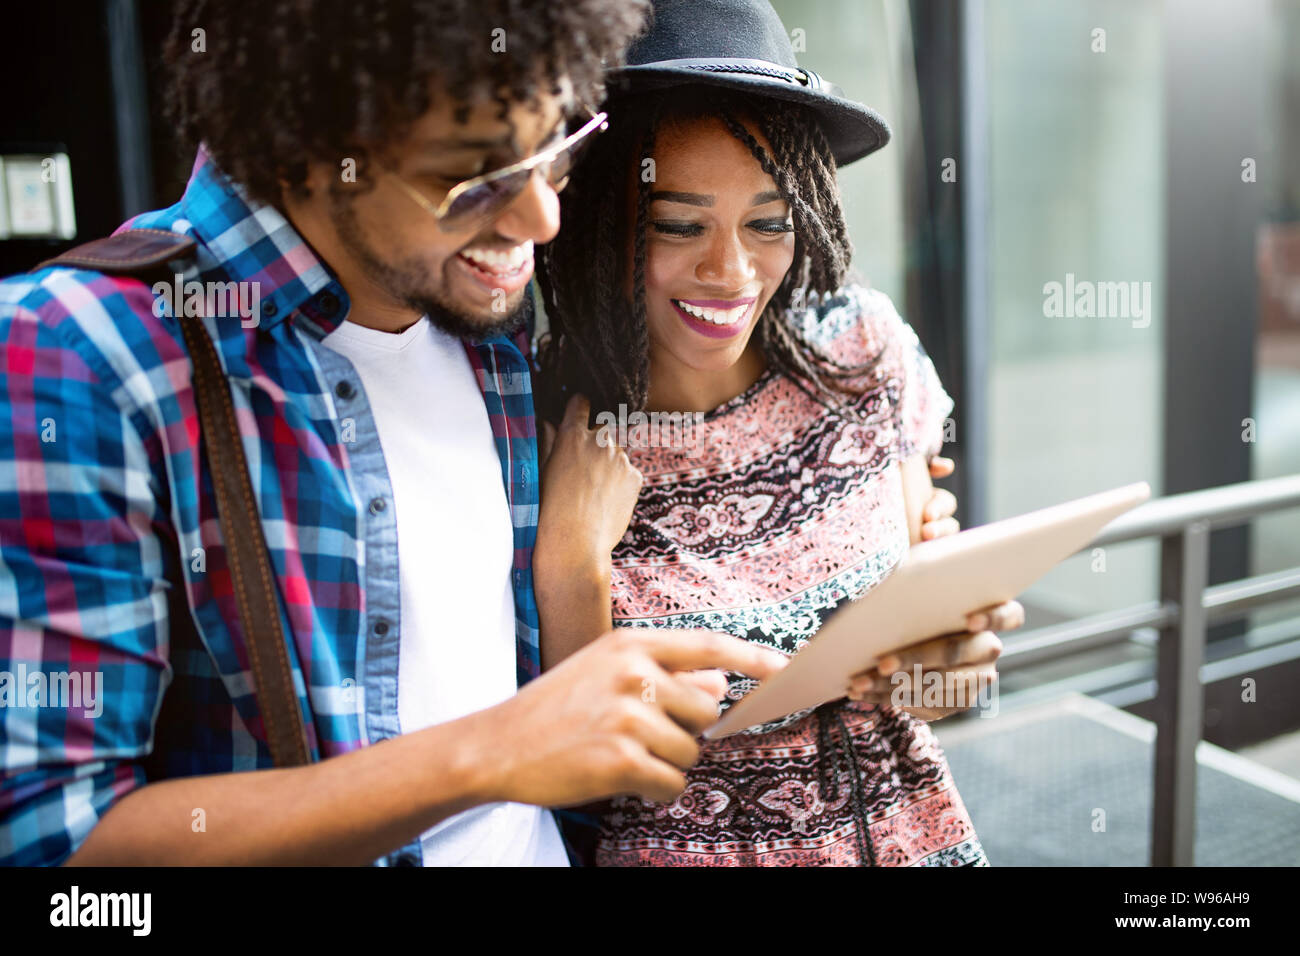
column 1184, row 575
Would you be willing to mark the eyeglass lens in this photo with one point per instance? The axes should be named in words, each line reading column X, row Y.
column 486, row 198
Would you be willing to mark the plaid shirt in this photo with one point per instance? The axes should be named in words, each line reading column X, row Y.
column 111, row 561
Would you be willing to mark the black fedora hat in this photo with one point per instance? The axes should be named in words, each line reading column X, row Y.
column 742, row 45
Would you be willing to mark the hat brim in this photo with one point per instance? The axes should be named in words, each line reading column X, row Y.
column 852, row 129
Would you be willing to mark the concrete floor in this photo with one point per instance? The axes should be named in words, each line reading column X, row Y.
column 1068, row 782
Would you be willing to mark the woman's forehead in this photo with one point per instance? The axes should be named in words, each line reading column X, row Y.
column 704, row 148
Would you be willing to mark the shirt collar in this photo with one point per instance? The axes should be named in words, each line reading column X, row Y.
column 252, row 241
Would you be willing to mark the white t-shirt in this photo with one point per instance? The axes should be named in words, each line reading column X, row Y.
column 455, row 546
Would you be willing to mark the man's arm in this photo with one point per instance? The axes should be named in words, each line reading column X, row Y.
column 83, row 593
column 579, row 733
column 350, row 809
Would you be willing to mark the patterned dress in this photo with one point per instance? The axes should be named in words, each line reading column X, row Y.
column 772, row 513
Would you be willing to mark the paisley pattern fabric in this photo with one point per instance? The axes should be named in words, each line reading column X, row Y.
column 768, row 516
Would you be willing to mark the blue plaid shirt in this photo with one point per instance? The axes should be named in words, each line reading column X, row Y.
column 112, row 570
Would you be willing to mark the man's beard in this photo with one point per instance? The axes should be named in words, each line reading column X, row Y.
column 404, row 283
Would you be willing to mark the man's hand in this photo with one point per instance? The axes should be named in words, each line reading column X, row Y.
column 615, row 717
column 963, row 661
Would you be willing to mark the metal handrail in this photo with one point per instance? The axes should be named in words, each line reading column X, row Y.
column 1222, row 507
column 1186, row 607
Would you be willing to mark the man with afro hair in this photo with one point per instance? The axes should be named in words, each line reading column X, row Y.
column 356, row 239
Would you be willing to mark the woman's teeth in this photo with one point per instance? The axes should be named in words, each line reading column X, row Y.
column 716, row 316
column 501, row 261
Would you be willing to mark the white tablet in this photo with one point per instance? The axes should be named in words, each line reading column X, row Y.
column 929, row 593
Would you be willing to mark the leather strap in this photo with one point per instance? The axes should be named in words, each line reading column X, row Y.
column 246, row 551
column 133, row 252
column 140, row 251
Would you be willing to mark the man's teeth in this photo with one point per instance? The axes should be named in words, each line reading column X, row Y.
column 501, row 261
column 716, row 316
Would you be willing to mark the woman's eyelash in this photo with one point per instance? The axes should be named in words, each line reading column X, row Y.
column 768, row 226
column 677, row 228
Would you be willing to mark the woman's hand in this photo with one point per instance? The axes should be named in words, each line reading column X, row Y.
column 937, row 519
column 962, row 662
column 589, row 490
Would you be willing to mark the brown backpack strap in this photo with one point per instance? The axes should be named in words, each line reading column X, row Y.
column 140, row 251
column 250, row 564
column 132, row 252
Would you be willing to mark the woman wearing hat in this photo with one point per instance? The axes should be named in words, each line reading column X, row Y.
column 703, row 268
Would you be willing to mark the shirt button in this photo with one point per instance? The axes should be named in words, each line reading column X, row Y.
column 329, row 303
column 269, row 308
column 344, row 390
column 381, row 627
column 377, row 505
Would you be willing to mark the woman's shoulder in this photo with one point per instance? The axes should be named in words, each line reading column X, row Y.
column 857, row 324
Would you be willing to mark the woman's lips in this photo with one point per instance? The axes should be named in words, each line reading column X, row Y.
column 714, row 330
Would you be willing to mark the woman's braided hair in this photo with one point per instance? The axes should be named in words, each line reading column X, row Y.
column 598, row 343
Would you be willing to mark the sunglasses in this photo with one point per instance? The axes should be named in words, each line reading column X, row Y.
column 483, row 197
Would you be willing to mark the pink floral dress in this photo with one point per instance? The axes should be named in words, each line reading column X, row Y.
column 774, row 512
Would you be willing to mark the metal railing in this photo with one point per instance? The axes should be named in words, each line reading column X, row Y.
column 1187, row 606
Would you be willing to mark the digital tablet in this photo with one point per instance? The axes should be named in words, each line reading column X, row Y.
column 930, row 592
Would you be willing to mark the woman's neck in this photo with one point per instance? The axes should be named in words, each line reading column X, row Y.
column 675, row 387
